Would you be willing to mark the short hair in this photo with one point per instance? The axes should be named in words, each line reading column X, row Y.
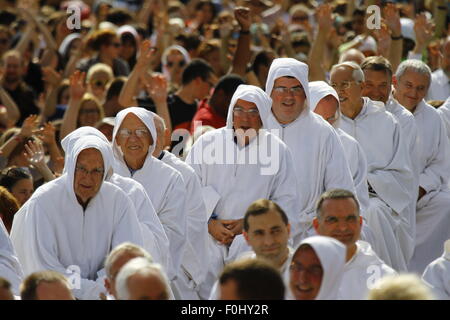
column 335, row 194
column 262, row 58
column 11, row 53
column 377, row 63
column 100, row 38
column 29, row 286
column 256, row 279
column 8, row 207
column 196, row 68
column 122, row 248
column 357, row 74
column 115, row 86
column 90, row 97
column 229, row 83
column 415, row 66
column 189, row 41
column 435, row 103
column 400, row 287
column 143, row 267
column 5, row 284
column 99, row 68
column 119, row 16
column 263, row 206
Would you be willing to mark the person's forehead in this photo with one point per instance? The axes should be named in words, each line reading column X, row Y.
column 414, row 76
column 345, row 206
column 122, row 258
column 306, row 256
column 90, row 155
column 343, row 72
column 329, row 101
column 291, row 81
column 245, row 104
column 12, row 60
column 132, row 121
column 376, row 75
column 267, row 220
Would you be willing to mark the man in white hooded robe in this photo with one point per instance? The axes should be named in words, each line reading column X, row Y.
column 10, row 268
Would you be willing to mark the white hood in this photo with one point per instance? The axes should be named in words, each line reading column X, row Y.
column 72, row 156
column 146, row 117
column 319, row 90
column 251, row 94
column 288, row 67
column 332, row 256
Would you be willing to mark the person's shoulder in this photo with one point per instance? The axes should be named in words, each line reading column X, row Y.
column 166, row 170
column 177, row 163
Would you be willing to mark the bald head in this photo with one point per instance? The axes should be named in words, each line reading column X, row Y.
column 352, row 55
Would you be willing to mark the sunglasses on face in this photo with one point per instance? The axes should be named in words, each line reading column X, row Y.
column 99, row 83
column 181, row 63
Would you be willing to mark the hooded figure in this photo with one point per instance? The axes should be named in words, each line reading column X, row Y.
column 325, row 275
column 163, row 184
column 154, row 236
column 10, row 268
column 260, row 169
column 437, row 274
column 54, row 231
column 166, row 52
column 319, row 158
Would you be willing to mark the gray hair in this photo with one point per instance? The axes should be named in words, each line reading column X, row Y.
column 335, row 194
column 400, row 287
column 415, row 66
column 357, row 74
column 140, row 266
column 126, row 247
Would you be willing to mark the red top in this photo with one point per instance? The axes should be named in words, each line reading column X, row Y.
column 207, row 116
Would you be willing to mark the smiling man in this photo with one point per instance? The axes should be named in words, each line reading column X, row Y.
column 338, row 217
column 59, row 225
column 319, row 158
column 254, row 163
column 389, row 165
column 412, row 82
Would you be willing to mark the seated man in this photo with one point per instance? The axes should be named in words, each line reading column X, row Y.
column 251, row 279
column 437, row 274
column 255, row 164
column 316, row 269
column 338, row 217
column 58, row 226
column 140, row 279
column 45, row 285
column 390, row 175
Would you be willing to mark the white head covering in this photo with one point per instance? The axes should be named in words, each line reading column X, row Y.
column 146, row 117
column 319, row 90
column 180, row 49
column 369, row 44
column 288, row 67
column 64, row 46
column 332, row 256
column 251, row 94
column 128, row 29
column 74, row 150
column 408, row 28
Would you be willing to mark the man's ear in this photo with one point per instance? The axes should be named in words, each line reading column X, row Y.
column 245, row 234
column 289, row 229
column 394, row 81
column 107, row 285
column 316, row 224
column 360, row 221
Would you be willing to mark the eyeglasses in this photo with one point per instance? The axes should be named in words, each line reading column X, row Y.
column 181, row 63
column 140, row 132
column 99, row 83
column 97, row 172
column 88, row 111
column 296, row 91
column 344, row 85
column 252, row 113
column 316, row 271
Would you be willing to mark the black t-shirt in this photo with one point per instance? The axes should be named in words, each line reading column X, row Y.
column 24, row 97
column 34, row 78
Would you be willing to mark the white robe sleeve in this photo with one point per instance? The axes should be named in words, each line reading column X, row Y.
column 437, row 276
column 437, row 168
column 10, row 268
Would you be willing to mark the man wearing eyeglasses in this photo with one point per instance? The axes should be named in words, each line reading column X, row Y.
column 389, row 175
column 73, row 222
column 254, row 163
column 320, row 162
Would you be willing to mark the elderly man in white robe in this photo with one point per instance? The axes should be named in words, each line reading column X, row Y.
column 319, row 158
column 411, row 83
column 71, row 223
column 134, row 140
column 316, row 269
column 237, row 165
column 390, row 176
column 195, row 255
column 444, row 112
column 338, row 217
column 10, row 268
column 378, row 87
column 154, row 236
column 437, row 274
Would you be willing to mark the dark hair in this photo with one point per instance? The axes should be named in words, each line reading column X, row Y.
column 5, row 284
column 255, row 279
column 100, row 38
column 263, row 206
column 377, row 63
column 262, row 58
column 115, row 87
column 119, row 16
column 203, row 3
column 8, row 207
column 29, row 286
column 196, row 68
column 229, row 83
column 189, row 41
column 10, row 176
column 335, row 194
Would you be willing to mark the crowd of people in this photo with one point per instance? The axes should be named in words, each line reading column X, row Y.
column 234, row 149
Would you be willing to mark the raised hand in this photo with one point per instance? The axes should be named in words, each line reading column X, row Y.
column 29, row 125
column 51, row 76
column 157, row 88
column 392, row 19
column 383, row 37
column 242, row 15
column 145, row 57
column 423, row 29
column 34, row 152
column 77, row 86
column 324, row 17
column 47, row 133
